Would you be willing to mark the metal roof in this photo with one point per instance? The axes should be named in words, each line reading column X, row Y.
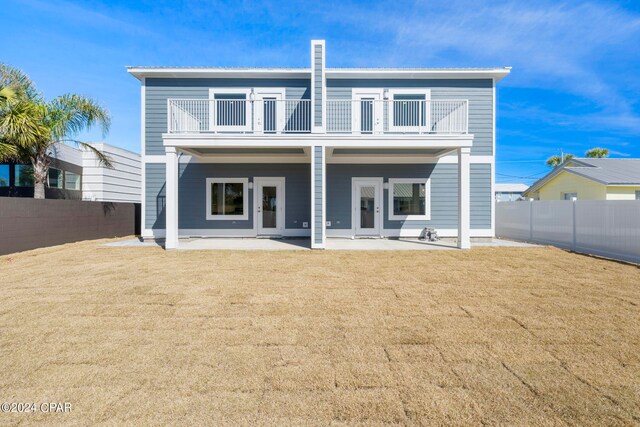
column 603, row 171
column 511, row 188
column 403, row 73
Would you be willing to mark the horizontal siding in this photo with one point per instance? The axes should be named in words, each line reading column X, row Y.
column 481, row 198
column 317, row 83
column 478, row 92
column 192, row 193
column 444, row 193
column 318, row 160
column 154, row 200
column 158, row 90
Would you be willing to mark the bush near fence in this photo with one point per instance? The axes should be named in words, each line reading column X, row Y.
column 609, row 228
column 34, row 223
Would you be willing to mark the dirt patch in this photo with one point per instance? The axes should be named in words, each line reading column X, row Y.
column 487, row 336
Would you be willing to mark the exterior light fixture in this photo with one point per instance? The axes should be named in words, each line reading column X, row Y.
column 385, row 94
column 252, row 95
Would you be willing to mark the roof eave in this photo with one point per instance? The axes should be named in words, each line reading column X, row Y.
column 178, row 72
column 168, row 72
column 493, row 73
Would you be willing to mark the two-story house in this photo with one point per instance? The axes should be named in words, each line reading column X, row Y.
column 318, row 152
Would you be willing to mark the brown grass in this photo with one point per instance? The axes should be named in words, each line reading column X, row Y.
column 511, row 336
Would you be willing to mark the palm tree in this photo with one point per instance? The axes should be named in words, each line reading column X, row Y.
column 556, row 160
column 597, row 153
column 30, row 126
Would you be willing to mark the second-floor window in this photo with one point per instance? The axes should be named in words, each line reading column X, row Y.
column 231, row 109
column 409, row 110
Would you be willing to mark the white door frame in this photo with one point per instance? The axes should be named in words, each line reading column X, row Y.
column 355, row 206
column 280, row 184
column 378, row 114
column 260, row 95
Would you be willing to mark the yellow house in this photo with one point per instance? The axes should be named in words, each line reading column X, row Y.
column 589, row 179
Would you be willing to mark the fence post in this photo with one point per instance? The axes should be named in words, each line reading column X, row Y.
column 531, row 220
column 573, row 242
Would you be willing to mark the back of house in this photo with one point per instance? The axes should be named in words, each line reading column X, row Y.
column 317, row 152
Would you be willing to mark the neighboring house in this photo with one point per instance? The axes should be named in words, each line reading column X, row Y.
column 509, row 192
column 76, row 174
column 589, row 179
column 319, row 152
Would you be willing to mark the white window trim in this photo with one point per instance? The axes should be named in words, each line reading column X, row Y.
column 245, row 199
column 409, row 91
column 569, row 192
column 226, row 91
column 265, row 92
column 378, row 116
column 427, row 199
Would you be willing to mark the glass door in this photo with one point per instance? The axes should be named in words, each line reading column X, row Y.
column 269, row 206
column 367, row 207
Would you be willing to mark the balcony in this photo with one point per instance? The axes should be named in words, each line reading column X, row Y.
column 343, row 117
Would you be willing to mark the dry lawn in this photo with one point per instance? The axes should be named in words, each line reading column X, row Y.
column 498, row 336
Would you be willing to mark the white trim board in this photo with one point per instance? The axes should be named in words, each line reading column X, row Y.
column 245, row 199
column 306, row 232
column 372, row 159
column 427, row 199
column 410, row 232
column 222, row 232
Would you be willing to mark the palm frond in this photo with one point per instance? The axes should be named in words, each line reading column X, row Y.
column 18, row 81
column 70, row 114
column 8, row 152
column 20, row 125
column 103, row 159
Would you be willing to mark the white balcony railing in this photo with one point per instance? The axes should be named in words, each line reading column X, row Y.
column 358, row 117
column 239, row 116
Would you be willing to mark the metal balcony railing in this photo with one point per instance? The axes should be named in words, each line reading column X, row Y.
column 354, row 117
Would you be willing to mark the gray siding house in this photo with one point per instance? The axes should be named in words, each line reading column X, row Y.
column 317, row 152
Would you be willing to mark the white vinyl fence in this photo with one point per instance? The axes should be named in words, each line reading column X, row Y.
column 609, row 228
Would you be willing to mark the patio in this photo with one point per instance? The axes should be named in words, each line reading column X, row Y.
column 339, row 244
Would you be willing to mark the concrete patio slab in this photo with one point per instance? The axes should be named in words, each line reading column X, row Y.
column 339, row 244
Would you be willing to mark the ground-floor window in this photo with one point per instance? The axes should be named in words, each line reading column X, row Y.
column 4, row 175
column 71, row 181
column 409, row 199
column 227, row 198
column 55, row 178
column 24, row 176
column 569, row 196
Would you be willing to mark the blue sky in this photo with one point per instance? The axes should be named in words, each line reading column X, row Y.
column 574, row 84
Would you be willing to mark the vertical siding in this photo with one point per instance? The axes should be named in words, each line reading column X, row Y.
column 444, row 193
column 192, row 193
column 479, row 92
column 318, row 83
column 317, row 183
column 158, row 90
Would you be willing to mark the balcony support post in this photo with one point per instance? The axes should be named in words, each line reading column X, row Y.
column 171, row 199
column 464, row 198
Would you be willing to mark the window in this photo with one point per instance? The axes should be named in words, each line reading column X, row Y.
column 569, row 196
column 55, row 178
column 409, row 199
column 637, row 194
column 24, row 176
column 4, row 175
column 409, row 110
column 227, row 198
column 71, row 181
column 232, row 110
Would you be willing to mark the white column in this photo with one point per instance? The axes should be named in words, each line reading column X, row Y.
column 171, row 201
column 464, row 199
